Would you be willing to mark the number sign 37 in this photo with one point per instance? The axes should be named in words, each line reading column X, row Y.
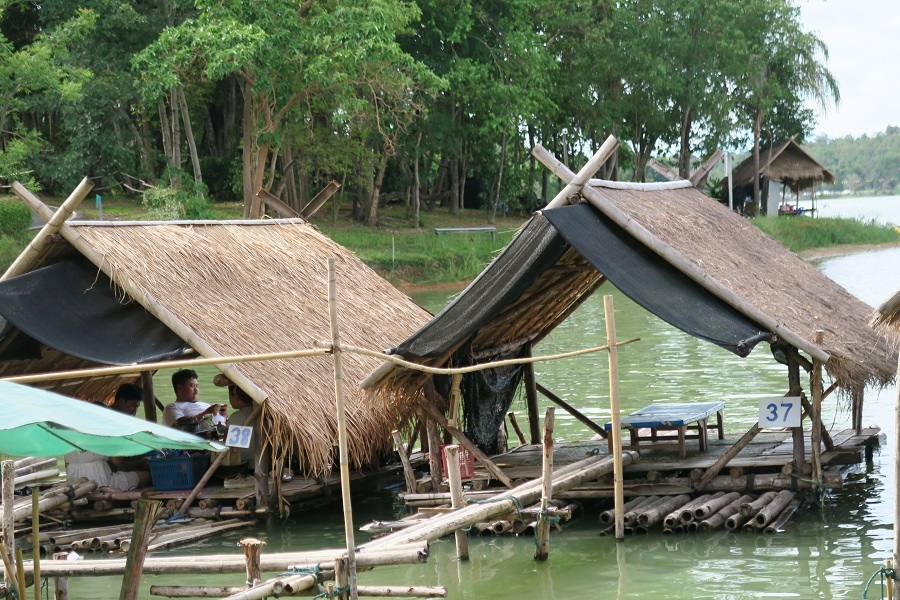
column 779, row 412
column 238, row 436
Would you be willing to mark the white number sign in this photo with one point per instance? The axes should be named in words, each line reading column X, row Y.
column 238, row 436
column 779, row 412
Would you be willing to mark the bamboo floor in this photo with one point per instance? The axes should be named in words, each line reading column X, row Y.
column 769, row 451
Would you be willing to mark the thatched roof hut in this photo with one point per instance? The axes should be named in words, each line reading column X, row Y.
column 786, row 162
column 675, row 251
column 886, row 318
column 230, row 288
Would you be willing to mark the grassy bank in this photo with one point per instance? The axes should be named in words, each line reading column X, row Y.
column 405, row 255
column 801, row 234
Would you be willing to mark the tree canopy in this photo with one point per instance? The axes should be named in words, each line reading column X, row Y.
column 398, row 100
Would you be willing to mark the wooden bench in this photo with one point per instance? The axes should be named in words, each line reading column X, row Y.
column 677, row 417
column 490, row 230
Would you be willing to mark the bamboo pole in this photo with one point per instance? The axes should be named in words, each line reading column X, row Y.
column 714, row 505
column 319, row 199
column 408, row 473
column 815, row 386
column 451, row 453
column 36, row 543
column 593, row 165
column 717, row 519
column 144, row 298
column 52, row 500
column 773, row 508
column 466, row 443
column 658, row 512
column 542, row 552
column 608, row 516
column 149, row 398
column 455, row 394
column 20, row 573
column 523, row 495
column 515, row 425
column 37, row 245
column 698, row 275
column 749, row 509
column 723, row 460
column 584, row 419
column 342, row 426
column 435, row 469
column 145, row 517
column 781, row 520
column 60, row 584
column 616, row 431
column 9, row 542
column 194, row 591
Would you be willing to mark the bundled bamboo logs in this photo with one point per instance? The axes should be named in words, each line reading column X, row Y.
column 768, row 512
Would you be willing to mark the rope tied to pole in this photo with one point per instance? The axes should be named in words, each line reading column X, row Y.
column 544, row 515
column 516, row 502
column 337, row 592
column 883, row 572
column 315, row 570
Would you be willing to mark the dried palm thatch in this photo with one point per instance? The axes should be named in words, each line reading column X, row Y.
column 736, row 254
column 723, row 246
column 886, row 319
column 786, row 162
column 251, row 287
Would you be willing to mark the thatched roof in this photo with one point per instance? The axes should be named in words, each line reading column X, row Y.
column 249, row 287
column 786, row 162
column 750, row 272
column 886, row 318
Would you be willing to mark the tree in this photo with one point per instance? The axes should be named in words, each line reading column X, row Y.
column 287, row 58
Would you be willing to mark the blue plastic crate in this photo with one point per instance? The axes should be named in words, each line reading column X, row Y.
column 177, row 473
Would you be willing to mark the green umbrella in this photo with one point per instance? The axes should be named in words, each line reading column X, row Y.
column 36, row 422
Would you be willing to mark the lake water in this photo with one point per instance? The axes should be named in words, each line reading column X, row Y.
column 828, row 553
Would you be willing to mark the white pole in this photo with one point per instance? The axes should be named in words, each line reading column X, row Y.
column 728, row 172
column 342, row 427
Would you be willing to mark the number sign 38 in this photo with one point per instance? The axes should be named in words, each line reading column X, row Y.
column 779, row 412
column 238, row 436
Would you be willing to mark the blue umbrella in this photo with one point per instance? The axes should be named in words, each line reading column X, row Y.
column 35, row 422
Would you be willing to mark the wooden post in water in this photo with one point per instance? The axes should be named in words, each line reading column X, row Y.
column 408, row 472
column 531, row 399
column 60, row 584
column 515, row 425
column 145, row 517
column 453, row 413
column 342, row 427
column 896, row 555
column 9, row 541
column 457, row 501
column 543, row 526
column 252, row 551
column 795, row 389
column 36, row 539
column 815, row 386
column 616, row 432
column 149, row 398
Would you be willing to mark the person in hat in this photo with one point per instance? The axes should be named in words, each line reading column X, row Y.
column 242, row 405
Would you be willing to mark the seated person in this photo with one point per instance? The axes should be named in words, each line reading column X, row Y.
column 186, row 412
column 243, row 406
column 99, row 468
column 126, row 401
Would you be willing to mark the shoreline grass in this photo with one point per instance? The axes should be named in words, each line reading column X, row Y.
column 405, row 255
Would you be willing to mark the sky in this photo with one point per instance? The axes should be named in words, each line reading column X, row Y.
column 863, row 39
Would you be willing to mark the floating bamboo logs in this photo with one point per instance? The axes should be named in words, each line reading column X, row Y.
column 607, row 517
column 749, row 509
column 735, row 521
column 687, row 511
column 54, row 500
column 209, row 503
column 235, row 563
column 773, row 508
column 714, row 521
column 193, row 535
column 713, row 505
column 565, row 478
column 8, row 527
column 656, row 514
column 631, row 518
column 194, row 591
column 781, row 520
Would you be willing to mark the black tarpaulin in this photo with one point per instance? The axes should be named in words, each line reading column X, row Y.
column 73, row 307
column 522, row 262
column 653, row 283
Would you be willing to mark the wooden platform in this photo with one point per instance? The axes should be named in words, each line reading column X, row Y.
column 769, row 451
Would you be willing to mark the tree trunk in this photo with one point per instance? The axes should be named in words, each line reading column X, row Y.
column 454, row 186
column 496, row 199
column 757, row 125
column 372, row 216
column 247, row 151
column 189, row 134
column 684, row 158
column 415, row 198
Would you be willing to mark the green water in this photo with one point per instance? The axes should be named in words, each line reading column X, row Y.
column 828, row 553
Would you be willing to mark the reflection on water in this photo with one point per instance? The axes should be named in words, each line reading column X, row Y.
column 823, row 554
